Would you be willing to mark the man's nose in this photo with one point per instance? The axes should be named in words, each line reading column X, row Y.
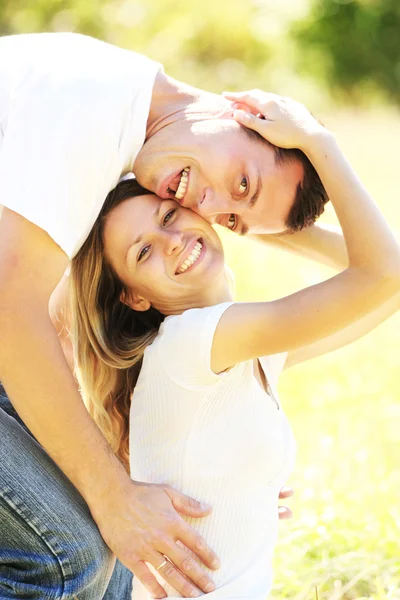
column 214, row 203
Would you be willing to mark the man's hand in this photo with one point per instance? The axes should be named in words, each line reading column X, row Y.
column 142, row 525
column 280, row 120
column 284, row 511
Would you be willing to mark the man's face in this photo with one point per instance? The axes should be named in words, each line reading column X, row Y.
column 214, row 168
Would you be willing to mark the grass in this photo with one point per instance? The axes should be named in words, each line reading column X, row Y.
column 344, row 409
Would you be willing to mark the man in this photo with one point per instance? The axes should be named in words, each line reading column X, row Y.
column 75, row 115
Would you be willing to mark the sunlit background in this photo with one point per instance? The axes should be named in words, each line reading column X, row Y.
column 342, row 58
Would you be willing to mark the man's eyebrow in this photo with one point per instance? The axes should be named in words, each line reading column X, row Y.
column 256, row 193
column 244, row 228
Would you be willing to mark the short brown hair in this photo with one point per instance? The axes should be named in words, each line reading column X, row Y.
column 310, row 198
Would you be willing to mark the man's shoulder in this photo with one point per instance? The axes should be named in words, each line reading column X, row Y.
column 68, row 57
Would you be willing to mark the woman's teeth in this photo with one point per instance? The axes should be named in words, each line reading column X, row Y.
column 191, row 259
column 182, row 187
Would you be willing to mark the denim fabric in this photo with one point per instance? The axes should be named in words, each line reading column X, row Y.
column 50, row 547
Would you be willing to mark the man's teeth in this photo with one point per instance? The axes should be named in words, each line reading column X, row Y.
column 182, row 187
column 191, row 259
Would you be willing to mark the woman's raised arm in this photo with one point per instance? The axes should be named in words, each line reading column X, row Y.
column 251, row 330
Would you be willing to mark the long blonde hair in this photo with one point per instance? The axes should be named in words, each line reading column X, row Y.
column 109, row 338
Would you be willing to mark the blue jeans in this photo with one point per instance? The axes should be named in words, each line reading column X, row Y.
column 50, row 547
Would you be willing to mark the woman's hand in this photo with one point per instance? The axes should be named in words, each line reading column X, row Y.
column 280, row 120
column 141, row 525
column 284, row 512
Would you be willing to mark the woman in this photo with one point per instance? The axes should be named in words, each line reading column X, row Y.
column 154, row 315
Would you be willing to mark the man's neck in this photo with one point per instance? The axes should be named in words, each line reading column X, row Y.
column 173, row 100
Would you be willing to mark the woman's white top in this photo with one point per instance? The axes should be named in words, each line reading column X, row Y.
column 73, row 115
column 218, row 438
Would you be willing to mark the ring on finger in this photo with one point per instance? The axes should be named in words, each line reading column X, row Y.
column 164, row 562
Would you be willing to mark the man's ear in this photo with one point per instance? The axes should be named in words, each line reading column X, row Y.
column 135, row 301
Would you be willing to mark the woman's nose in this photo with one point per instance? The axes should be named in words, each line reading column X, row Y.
column 173, row 241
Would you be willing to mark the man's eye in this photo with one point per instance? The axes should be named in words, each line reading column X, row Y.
column 244, row 184
column 143, row 252
column 232, row 222
column 169, row 215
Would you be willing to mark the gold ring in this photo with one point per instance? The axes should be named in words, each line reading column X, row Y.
column 164, row 562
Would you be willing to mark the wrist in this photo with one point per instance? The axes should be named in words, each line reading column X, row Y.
column 108, row 500
column 101, row 485
column 316, row 138
column 318, row 143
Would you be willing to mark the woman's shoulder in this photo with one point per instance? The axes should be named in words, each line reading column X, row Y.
column 193, row 318
column 183, row 346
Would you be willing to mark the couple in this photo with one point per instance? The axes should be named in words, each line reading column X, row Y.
column 75, row 115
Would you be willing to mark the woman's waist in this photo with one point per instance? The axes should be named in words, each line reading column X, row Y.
column 240, row 537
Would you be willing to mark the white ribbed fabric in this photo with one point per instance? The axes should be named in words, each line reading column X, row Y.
column 219, row 438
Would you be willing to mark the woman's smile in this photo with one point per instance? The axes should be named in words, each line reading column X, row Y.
column 196, row 253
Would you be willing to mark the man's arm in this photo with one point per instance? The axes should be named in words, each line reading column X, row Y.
column 60, row 317
column 138, row 522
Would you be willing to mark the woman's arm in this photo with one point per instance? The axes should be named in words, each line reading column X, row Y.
column 320, row 242
column 347, row 335
column 371, row 279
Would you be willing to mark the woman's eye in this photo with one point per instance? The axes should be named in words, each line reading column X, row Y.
column 143, row 252
column 232, row 222
column 168, row 215
column 243, row 185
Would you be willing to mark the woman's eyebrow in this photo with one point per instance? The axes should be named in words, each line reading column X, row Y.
column 139, row 238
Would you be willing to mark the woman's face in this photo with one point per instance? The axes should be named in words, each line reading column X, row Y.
column 167, row 256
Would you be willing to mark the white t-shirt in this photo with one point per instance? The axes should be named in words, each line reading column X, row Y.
column 73, row 114
column 219, row 438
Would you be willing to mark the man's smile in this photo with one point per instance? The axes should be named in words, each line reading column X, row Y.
column 175, row 186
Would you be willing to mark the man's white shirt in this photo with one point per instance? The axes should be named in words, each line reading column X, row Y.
column 73, row 114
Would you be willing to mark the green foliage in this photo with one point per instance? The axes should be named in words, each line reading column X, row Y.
column 206, row 43
column 352, row 45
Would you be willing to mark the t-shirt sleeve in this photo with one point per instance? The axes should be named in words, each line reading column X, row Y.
column 56, row 161
column 70, row 131
column 185, row 343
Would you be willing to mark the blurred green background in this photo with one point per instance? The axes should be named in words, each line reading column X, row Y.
column 341, row 58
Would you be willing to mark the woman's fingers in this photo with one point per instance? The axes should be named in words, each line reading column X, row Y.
column 286, row 492
column 255, row 99
column 280, row 120
column 284, row 512
column 245, row 107
column 252, row 121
